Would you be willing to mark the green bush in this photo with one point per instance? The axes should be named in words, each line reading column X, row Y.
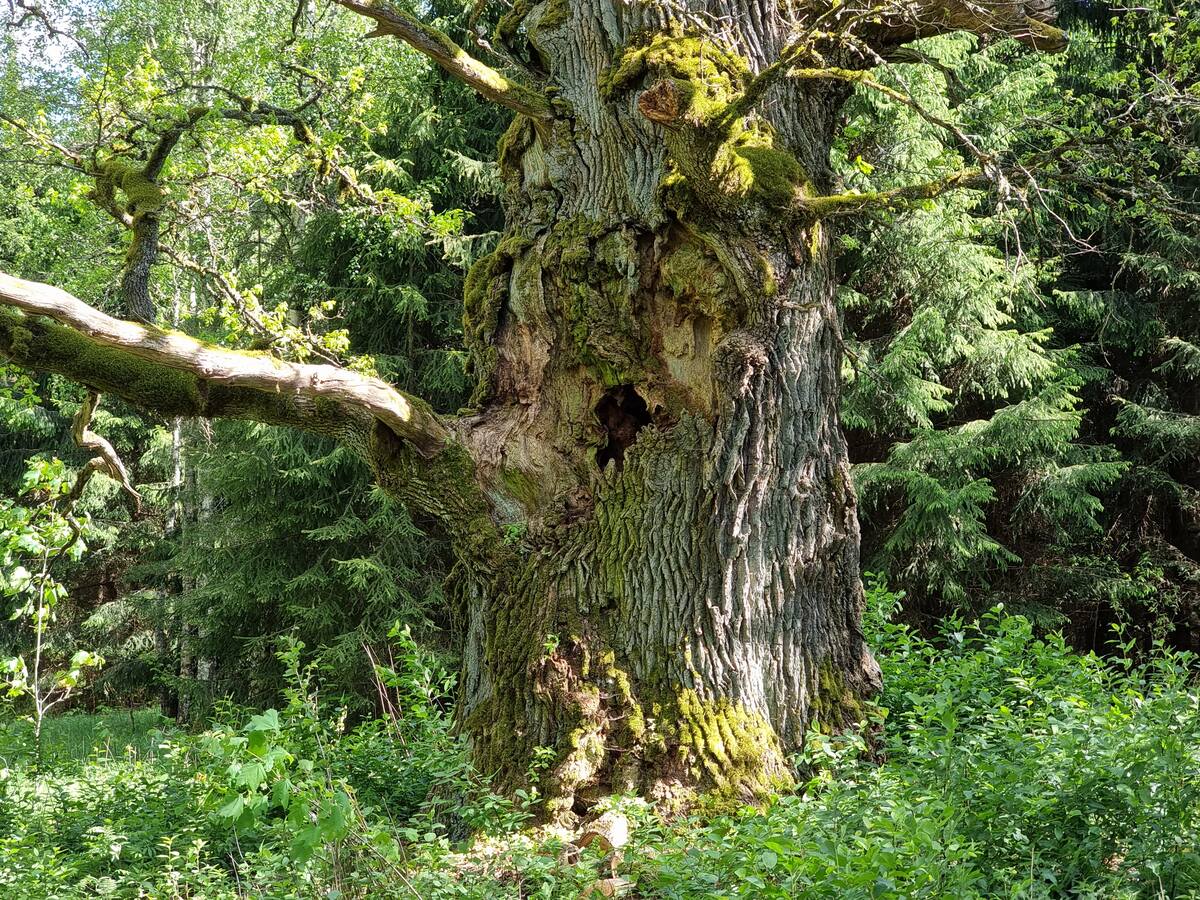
column 1014, row 768
column 998, row 764
column 116, row 826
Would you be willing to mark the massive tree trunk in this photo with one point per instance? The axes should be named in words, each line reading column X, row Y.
column 650, row 502
column 660, row 355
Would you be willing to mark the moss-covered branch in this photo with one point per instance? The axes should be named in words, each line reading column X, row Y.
column 718, row 160
column 1032, row 22
column 176, row 375
column 898, row 198
column 454, row 59
column 1029, row 21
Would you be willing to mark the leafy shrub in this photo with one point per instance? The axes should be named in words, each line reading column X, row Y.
column 116, row 826
column 998, row 764
column 1014, row 768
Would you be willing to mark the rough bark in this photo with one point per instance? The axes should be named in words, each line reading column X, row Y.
column 135, row 282
column 650, row 503
column 659, row 355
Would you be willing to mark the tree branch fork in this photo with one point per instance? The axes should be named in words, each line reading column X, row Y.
column 223, row 382
column 104, row 457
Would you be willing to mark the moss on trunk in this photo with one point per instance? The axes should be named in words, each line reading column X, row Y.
column 658, row 353
column 657, row 551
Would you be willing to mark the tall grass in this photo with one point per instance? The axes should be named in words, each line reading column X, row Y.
column 76, row 736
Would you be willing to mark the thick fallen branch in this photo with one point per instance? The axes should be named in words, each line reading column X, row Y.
column 195, row 378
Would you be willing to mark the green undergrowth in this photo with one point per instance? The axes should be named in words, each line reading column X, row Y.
column 1005, row 765
column 75, row 738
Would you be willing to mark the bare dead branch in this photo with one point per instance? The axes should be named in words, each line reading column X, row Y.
column 29, row 10
column 866, row 79
column 104, row 458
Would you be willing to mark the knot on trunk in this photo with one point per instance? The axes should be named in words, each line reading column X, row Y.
column 741, row 356
column 661, row 102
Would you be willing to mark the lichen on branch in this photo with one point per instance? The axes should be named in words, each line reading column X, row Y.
column 904, row 197
column 90, row 346
column 452, row 58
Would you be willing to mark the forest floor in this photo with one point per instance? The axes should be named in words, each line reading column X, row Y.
column 998, row 764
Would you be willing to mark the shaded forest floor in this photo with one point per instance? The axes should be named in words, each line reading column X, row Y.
column 999, row 764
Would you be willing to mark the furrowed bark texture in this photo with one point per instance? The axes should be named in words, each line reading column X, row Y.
column 678, row 597
column 135, row 281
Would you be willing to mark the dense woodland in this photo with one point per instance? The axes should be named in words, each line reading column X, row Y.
column 650, row 333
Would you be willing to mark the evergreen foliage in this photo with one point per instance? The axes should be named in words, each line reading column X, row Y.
column 1020, row 370
column 1020, row 375
column 290, row 538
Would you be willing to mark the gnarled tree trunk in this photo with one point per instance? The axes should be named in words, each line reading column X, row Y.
column 659, row 354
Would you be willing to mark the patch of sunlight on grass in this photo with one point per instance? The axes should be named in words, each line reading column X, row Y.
column 76, row 736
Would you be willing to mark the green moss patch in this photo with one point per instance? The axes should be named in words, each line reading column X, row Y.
column 835, row 706
column 726, row 746
column 596, row 273
column 707, row 75
column 141, row 194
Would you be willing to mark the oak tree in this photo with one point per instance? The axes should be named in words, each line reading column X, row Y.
column 649, row 500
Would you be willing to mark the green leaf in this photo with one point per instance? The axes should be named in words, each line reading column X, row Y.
column 233, row 809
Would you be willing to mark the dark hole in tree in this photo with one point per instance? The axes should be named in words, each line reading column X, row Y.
column 622, row 413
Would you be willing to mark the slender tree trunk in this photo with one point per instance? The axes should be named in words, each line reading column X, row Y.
column 169, row 632
column 659, row 360
column 135, row 280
